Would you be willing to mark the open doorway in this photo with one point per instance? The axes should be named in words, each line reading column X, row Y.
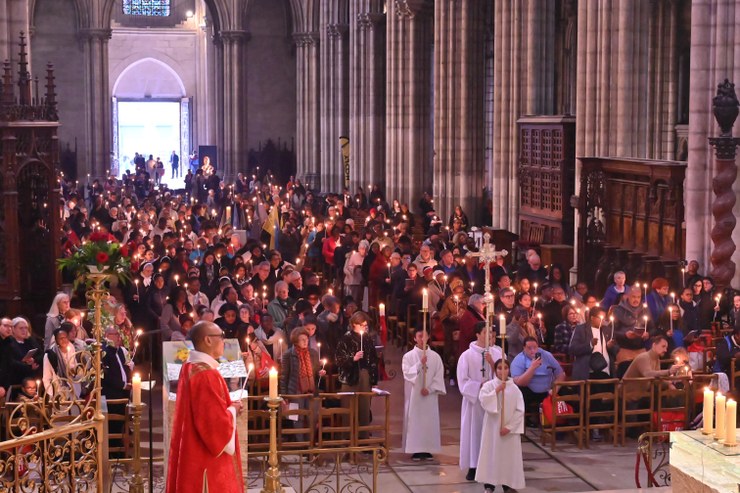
column 150, row 128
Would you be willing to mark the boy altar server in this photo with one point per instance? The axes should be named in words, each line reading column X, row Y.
column 421, row 430
column 474, row 368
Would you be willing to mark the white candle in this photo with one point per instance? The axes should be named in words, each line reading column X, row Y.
column 424, row 299
column 273, row 383
column 389, row 269
column 136, row 389
column 502, row 326
column 319, row 345
column 731, row 423
column 719, row 429
column 381, row 309
column 361, row 333
column 670, row 315
column 708, row 411
column 645, row 318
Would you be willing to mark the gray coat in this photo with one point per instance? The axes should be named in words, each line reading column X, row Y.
column 290, row 371
column 580, row 348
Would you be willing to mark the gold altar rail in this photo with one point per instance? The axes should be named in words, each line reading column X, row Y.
column 64, row 458
column 329, row 470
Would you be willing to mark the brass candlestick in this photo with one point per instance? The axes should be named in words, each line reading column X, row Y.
column 136, row 483
column 272, row 476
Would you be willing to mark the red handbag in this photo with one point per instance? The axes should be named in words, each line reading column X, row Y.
column 546, row 411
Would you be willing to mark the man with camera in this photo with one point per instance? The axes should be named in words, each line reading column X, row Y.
column 534, row 370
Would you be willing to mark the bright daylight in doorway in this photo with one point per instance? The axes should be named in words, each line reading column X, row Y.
column 150, row 127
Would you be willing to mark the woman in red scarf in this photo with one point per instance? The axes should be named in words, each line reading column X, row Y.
column 301, row 370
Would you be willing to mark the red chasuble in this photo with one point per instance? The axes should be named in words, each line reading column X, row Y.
column 202, row 428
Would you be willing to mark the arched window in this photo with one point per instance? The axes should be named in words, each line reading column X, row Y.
column 157, row 8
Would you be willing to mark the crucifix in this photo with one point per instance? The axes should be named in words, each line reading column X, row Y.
column 486, row 256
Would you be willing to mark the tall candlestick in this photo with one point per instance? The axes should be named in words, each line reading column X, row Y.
column 708, row 411
column 719, row 429
column 731, row 423
column 273, row 383
column 136, row 389
column 424, row 299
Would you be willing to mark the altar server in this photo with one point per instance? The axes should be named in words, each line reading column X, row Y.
column 474, row 368
column 421, row 430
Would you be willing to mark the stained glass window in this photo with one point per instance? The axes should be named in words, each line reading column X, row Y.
column 157, row 8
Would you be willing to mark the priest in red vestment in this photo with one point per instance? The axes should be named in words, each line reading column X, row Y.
column 204, row 450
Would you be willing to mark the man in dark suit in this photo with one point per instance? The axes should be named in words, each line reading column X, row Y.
column 116, row 378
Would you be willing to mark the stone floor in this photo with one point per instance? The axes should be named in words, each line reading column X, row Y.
column 602, row 467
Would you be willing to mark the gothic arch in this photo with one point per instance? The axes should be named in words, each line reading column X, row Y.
column 218, row 9
column 137, row 59
column 82, row 17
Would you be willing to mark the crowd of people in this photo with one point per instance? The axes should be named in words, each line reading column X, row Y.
column 293, row 274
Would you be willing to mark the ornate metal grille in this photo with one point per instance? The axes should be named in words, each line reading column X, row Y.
column 153, row 8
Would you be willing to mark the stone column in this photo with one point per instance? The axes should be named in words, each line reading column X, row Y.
column 308, row 157
column 334, row 97
column 367, row 93
column 98, row 104
column 234, row 154
column 409, row 131
column 715, row 56
column 14, row 18
column 524, row 68
column 459, row 143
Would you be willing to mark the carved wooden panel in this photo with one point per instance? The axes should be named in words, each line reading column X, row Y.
column 546, row 176
column 642, row 207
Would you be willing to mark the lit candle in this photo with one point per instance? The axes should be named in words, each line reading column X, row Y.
column 323, row 363
column 644, row 286
column 136, row 389
column 673, row 296
column 361, row 334
column 731, row 423
column 708, row 411
column 670, row 315
column 319, row 346
column 424, row 299
column 645, row 318
column 535, row 287
column 719, row 429
column 381, row 309
column 502, row 326
column 273, row 383
column 389, row 269
column 683, row 276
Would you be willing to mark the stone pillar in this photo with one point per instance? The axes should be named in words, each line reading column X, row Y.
column 367, row 93
column 308, row 158
column 524, row 68
column 98, row 104
column 459, row 143
column 234, row 153
column 14, row 18
column 409, row 131
column 715, row 56
column 334, row 97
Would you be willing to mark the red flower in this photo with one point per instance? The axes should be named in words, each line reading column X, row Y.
column 98, row 236
column 101, row 257
column 124, row 250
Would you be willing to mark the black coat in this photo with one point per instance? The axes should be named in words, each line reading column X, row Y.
column 349, row 369
column 113, row 385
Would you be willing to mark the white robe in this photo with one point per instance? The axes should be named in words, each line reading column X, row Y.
column 500, row 461
column 469, row 380
column 421, row 430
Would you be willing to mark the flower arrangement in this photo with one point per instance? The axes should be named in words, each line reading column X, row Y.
column 99, row 254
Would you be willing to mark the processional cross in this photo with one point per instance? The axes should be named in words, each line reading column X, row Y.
column 487, row 255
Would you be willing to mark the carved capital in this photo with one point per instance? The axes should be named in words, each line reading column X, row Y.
column 306, row 39
column 369, row 20
column 725, row 147
column 235, row 36
column 337, row 31
column 95, row 34
column 409, row 8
